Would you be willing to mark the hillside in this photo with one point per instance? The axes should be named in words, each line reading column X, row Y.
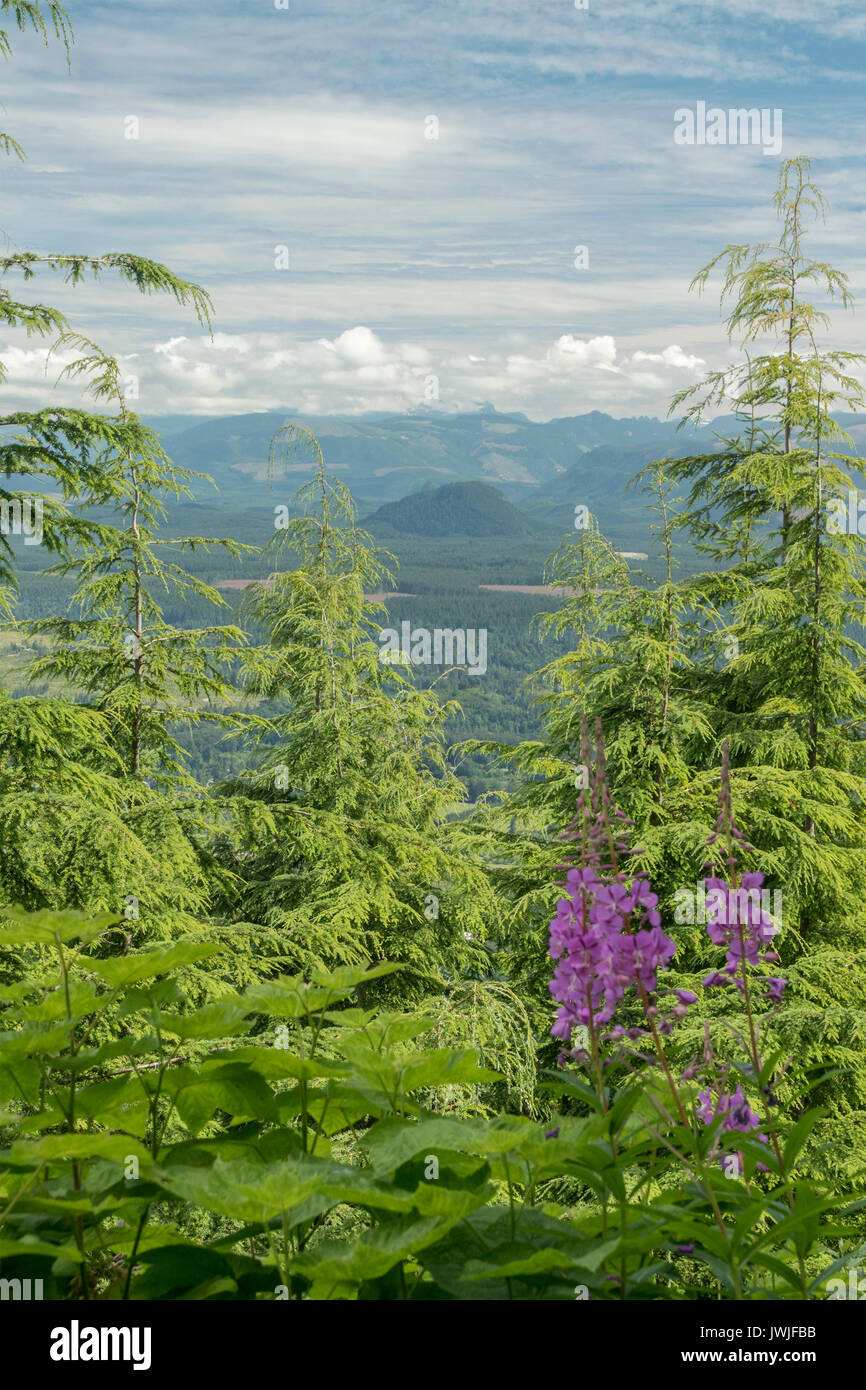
column 456, row 509
column 599, row 480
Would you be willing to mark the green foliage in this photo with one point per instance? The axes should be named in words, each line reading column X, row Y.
column 80, row 824
column 345, row 846
column 288, row 1036
column 289, row 1117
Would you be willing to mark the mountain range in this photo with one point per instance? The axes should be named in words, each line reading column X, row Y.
column 385, row 457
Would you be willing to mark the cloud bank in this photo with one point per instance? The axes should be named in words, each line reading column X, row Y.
column 358, row 370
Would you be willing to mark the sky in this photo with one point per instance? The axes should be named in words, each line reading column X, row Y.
column 386, row 200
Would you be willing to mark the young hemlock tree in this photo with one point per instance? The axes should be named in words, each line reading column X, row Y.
column 350, row 853
column 639, row 680
column 794, row 697
column 793, row 703
column 765, row 284
column 57, row 795
column 725, row 508
column 144, row 676
column 147, row 675
column 761, row 653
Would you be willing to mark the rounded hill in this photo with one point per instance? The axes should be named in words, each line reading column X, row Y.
column 455, row 509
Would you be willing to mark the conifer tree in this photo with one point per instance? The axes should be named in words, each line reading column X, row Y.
column 144, row 676
column 793, row 703
column 350, row 853
column 762, row 653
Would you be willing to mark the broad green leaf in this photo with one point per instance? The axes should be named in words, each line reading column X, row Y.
column 45, row 928
column 392, row 1142
column 445, row 1067
column 372, row 1255
column 55, row 1148
column 289, row 997
column 35, row 1040
column 160, row 960
column 277, row 1063
column 252, row 1193
column 83, row 1000
column 512, row 1261
column 433, row 1199
column 233, row 1088
column 172, row 1270
column 30, row 1245
column 221, row 1019
column 347, row 977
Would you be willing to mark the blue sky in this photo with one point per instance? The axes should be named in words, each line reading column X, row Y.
column 413, row 258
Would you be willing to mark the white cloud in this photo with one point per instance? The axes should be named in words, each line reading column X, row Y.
column 599, row 352
column 672, row 356
column 359, row 371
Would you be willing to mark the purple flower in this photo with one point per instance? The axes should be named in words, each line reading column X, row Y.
column 737, row 914
column 713, row 980
column 737, row 1113
column 599, row 953
column 606, row 936
column 738, row 919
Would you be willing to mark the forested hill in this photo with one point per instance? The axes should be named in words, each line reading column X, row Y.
column 456, row 509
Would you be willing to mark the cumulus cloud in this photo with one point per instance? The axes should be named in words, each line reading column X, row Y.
column 672, row 356
column 358, row 370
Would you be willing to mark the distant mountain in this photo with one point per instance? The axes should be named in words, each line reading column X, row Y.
column 456, row 509
column 538, row 465
column 385, row 457
column 598, row 479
